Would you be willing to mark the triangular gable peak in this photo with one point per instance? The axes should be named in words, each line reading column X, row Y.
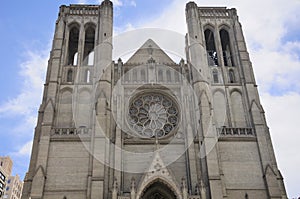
column 158, row 171
column 150, row 51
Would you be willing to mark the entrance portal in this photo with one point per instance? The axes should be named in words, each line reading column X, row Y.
column 158, row 190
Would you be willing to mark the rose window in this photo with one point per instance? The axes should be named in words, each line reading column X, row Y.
column 153, row 115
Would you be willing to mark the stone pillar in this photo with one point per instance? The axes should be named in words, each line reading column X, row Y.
column 133, row 190
column 115, row 190
column 184, row 189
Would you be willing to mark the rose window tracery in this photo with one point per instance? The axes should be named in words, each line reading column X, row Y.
column 153, row 115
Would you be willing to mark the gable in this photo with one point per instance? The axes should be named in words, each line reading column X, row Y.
column 149, row 50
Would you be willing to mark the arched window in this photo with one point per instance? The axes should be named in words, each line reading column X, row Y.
column 70, row 75
column 91, row 58
column 215, row 76
column 87, row 76
column 143, row 75
column 231, row 76
column 211, row 48
column 168, row 76
column 176, row 76
column 226, row 50
column 89, row 44
column 73, row 46
column 160, row 75
column 75, row 59
column 126, row 75
column 134, row 75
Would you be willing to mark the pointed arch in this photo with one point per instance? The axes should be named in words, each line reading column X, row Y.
column 40, row 168
column 65, row 116
column 224, row 26
column 235, row 90
column 159, row 179
column 226, row 47
column 237, row 109
column 38, row 182
column 219, row 106
column 209, row 26
column 231, row 76
column 46, row 106
column 211, row 47
column 269, row 170
column 254, row 104
column 74, row 29
column 89, row 45
column 48, row 111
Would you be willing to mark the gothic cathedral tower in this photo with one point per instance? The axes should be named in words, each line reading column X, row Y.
column 149, row 127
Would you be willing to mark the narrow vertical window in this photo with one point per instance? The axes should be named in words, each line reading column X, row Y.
column 89, row 44
column 168, row 76
column 126, row 75
column 75, row 59
column 73, row 46
column 70, row 75
column 160, row 75
column 87, row 76
column 143, row 75
column 215, row 76
column 231, row 76
column 226, row 50
column 211, row 48
column 176, row 76
column 134, row 75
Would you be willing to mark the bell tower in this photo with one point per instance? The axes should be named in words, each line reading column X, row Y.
column 239, row 154
column 62, row 164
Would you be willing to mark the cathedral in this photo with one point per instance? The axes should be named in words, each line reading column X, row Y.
column 151, row 127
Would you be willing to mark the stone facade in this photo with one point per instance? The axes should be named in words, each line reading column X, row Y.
column 151, row 127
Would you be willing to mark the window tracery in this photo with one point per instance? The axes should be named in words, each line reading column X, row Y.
column 153, row 115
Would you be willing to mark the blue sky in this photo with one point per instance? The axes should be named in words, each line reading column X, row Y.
column 271, row 29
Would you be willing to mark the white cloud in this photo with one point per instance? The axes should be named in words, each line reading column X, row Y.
column 282, row 114
column 25, row 150
column 81, row 1
column 32, row 72
column 132, row 3
column 280, row 69
column 117, row 3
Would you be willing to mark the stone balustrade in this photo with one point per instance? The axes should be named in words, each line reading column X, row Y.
column 70, row 131
column 214, row 12
column 87, row 10
column 231, row 131
column 123, row 197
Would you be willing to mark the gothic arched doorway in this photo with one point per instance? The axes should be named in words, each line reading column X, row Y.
column 158, row 190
